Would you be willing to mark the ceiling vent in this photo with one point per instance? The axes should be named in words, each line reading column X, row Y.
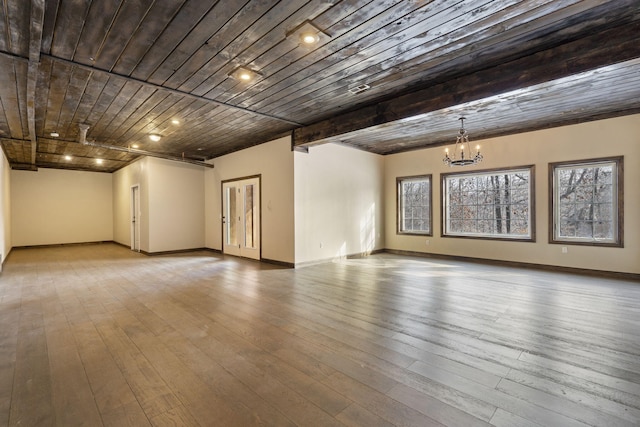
column 359, row 89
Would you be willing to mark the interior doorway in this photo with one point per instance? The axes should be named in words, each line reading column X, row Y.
column 241, row 217
column 135, row 218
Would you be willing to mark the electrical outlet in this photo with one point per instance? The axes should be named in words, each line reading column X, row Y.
column 564, row 250
column 427, row 242
column 320, row 245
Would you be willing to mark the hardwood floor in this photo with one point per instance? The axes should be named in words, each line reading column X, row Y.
column 98, row 335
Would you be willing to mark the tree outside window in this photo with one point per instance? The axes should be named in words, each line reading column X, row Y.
column 495, row 204
column 586, row 204
column 414, row 205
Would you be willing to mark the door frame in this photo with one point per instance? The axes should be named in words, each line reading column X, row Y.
column 135, row 222
column 222, row 224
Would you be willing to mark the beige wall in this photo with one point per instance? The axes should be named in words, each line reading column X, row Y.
column 176, row 205
column 5, row 208
column 123, row 180
column 274, row 162
column 171, row 204
column 339, row 203
column 56, row 206
column 613, row 137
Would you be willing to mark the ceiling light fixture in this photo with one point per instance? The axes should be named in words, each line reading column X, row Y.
column 135, row 146
column 462, row 142
column 245, row 75
column 154, row 137
column 55, row 134
column 308, row 34
column 99, row 161
column 175, row 121
column 67, row 158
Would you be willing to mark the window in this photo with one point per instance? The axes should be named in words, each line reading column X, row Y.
column 495, row 204
column 586, row 202
column 414, row 205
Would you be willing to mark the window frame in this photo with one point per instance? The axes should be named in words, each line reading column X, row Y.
column 399, row 207
column 618, row 204
column 531, row 238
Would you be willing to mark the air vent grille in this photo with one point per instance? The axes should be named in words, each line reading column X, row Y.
column 359, row 89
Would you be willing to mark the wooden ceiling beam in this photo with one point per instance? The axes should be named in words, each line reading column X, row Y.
column 35, row 41
column 595, row 51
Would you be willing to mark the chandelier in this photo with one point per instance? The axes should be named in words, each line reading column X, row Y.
column 462, row 144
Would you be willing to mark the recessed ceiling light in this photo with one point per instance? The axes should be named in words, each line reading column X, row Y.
column 244, row 74
column 68, row 158
column 308, row 34
column 309, row 38
column 175, row 121
column 154, row 137
column 99, row 161
column 55, row 134
column 135, row 146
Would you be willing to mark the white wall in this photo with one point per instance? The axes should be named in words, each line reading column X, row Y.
column 123, row 180
column 274, row 162
column 605, row 138
column 339, row 203
column 5, row 208
column 56, row 206
column 176, row 205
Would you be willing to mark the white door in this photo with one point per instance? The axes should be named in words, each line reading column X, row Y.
column 135, row 218
column 241, row 218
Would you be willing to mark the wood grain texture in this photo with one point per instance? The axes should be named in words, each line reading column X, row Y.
column 128, row 68
column 100, row 335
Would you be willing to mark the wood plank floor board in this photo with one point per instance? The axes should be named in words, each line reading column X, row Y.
column 437, row 331
column 562, row 405
column 506, row 419
column 151, row 391
column 434, row 408
column 524, row 409
column 177, row 416
column 32, row 394
column 436, row 354
column 216, row 361
column 192, row 391
column 73, row 398
column 542, row 365
column 581, row 397
column 614, row 341
column 204, row 355
column 454, row 398
column 100, row 335
column 10, row 321
column 114, row 397
column 245, row 334
column 355, row 415
column 378, row 403
column 616, row 366
column 352, row 340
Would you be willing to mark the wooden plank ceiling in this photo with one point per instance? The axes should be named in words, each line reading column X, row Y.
column 130, row 68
